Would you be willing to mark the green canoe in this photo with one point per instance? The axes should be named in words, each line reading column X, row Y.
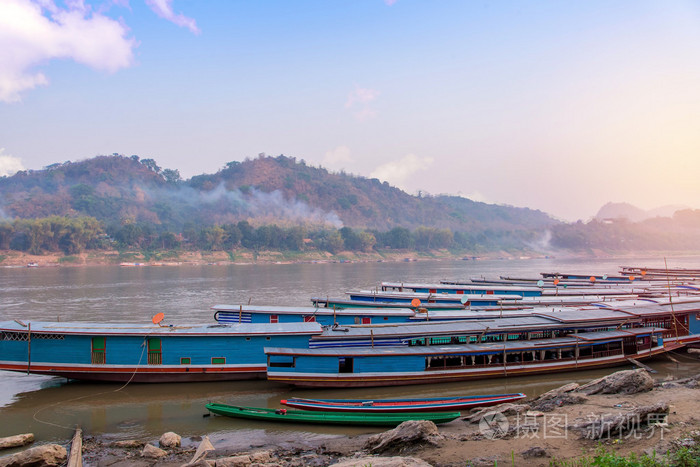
column 336, row 418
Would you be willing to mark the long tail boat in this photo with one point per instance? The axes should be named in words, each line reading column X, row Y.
column 328, row 418
column 145, row 353
column 431, row 404
column 600, row 336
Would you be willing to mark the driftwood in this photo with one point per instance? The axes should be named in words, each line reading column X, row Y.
column 16, row 441
column 46, row 455
column 76, row 449
column 202, row 450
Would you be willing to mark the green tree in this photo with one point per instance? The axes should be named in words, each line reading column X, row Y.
column 172, row 176
column 330, row 241
column 213, row 237
column 7, row 231
column 232, row 236
column 151, row 164
column 400, row 238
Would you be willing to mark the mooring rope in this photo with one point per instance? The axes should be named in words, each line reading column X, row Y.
column 143, row 349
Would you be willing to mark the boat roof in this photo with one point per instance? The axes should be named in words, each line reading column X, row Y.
column 311, row 310
column 155, row 330
column 446, row 285
column 481, row 348
column 426, row 295
column 522, row 323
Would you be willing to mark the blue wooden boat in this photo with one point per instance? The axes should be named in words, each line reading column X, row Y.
column 542, row 342
column 346, row 303
column 328, row 418
column 461, row 288
column 323, row 316
column 145, row 353
column 430, row 404
column 435, row 297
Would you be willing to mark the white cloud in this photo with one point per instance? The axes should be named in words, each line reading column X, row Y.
column 9, row 165
column 337, row 158
column 33, row 32
column 164, row 9
column 359, row 101
column 399, row 172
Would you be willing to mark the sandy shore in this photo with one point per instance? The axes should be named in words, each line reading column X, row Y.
column 524, row 436
column 10, row 258
column 183, row 258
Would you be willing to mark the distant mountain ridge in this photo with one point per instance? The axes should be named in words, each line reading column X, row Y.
column 635, row 214
column 117, row 189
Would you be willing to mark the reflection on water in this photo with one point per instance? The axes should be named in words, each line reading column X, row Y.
column 51, row 407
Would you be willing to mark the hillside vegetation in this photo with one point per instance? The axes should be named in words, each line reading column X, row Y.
column 283, row 203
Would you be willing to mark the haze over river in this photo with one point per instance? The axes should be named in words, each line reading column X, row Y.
column 52, row 407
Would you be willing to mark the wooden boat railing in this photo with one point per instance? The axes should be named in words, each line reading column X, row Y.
column 155, row 358
column 98, row 358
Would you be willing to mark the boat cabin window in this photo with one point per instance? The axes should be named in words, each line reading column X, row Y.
column 281, row 361
column 345, row 365
column 185, row 361
column 309, row 319
column 274, row 319
column 218, row 360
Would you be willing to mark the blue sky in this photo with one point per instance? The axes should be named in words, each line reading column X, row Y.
column 558, row 106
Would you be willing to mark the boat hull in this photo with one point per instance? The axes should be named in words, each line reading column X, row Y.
column 328, row 418
column 349, row 380
column 141, row 374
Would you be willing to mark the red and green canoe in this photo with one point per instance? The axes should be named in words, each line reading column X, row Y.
column 401, row 405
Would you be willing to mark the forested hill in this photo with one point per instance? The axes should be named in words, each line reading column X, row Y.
column 266, row 190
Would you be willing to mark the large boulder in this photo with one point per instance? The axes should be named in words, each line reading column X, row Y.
column 128, row 444
column 261, row 457
column 406, row 437
column 152, row 452
column 170, row 440
column 382, row 462
column 621, row 382
column 46, row 455
column 505, row 409
column 16, row 441
column 233, row 461
column 558, row 397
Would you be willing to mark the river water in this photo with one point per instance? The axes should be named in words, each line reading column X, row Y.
column 52, row 407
